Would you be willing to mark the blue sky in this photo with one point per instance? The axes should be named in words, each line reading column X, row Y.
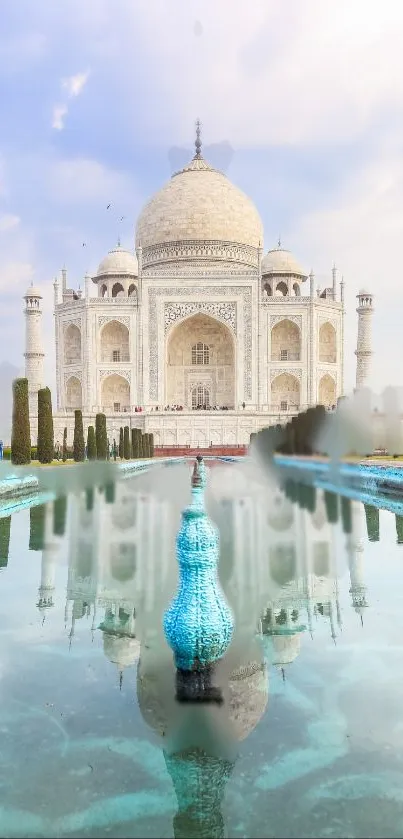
column 95, row 96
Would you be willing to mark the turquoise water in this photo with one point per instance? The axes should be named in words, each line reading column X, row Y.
column 308, row 741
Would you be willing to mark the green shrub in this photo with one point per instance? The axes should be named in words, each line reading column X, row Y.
column 127, row 449
column 21, row 432
column 59, row 515
column 46, row 443
column 37, row 527
column 91, row 443
column 101, row 437
column 5, row 525
column 78, row 444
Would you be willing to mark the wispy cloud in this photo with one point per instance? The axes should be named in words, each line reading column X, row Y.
column 74, row 86
column 8, row 222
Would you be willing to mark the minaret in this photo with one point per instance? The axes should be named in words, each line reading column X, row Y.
column 334, row 281
column 34, row 354
column 364, row 336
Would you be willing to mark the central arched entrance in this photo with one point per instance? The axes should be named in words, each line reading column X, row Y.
column 200, row 365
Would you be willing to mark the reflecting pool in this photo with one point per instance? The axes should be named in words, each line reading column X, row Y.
column 308, row 740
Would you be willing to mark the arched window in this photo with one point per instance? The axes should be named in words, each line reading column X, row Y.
column 268, row 290
column 103, row 290
column 200, row 397
column 132, row 290
column 118, row 290
column 200, row 353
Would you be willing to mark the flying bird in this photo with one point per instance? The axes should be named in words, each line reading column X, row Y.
column 108, row 206
column 122, row 218
column 84, row 245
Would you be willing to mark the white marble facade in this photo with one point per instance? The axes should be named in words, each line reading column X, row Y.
column 197, row 317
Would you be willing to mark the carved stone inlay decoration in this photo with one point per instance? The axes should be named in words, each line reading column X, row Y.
column 126, row 374
column 73, row 374
column 297, row 373
column 72, row 322
column 108, row 318
column 297, row 319
column 209, row 251
column 225, row 312
column 195, row 291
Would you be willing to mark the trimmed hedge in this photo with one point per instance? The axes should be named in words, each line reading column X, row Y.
column 91, row 443
column 21, row 431
column 78, row 444
column 101, row 437
column 46, row 443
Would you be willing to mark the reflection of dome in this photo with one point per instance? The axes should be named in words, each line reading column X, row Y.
column 246, row 704
column 121, row 651
column 280, row 261
column 199, row 204
column 118, row 262
column 283, row 649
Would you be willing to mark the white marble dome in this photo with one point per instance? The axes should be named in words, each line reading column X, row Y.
column 33, row 291
column 280, row 261
column 118, row 262
column 199, row 204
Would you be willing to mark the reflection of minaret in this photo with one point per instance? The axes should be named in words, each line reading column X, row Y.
column 49, row 559
column 364, row 338
column 199, row 781
column 355, row 550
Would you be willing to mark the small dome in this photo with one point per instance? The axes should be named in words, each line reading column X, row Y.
column 122, row 651
column 118, row 262
column 33, row 291
column 281, row 261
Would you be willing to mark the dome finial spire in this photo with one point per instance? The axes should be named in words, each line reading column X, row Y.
column 198, row 143
column 279, row 242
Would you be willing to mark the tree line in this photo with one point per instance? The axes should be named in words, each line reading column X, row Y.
column 299, row 436
column 133, row 444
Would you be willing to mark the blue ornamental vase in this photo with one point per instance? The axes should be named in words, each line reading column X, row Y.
column 198, row 625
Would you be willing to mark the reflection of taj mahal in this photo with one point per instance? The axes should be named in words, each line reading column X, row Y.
column 212, row 338
column 277, row 567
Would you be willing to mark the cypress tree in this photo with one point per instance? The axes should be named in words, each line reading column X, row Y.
column 91, row 443
column 127, row 453
column 78, row 444
column 140, row 445
column 115, row 450
column 121, row 445
column 64, row 455
column 5, row 525
column 108, row 449
column 137, row 443
column 144, row 445
column 46, row 443
column 372, row 520
column 110, row 493
column 59, row 515
column 133, row 440
column 101, row 436
column 399, row 529
column 36, row 528
column 151, row 444
column 346, row 515
column 21, row 432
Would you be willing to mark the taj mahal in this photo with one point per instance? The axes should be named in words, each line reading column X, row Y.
column 197, row 334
